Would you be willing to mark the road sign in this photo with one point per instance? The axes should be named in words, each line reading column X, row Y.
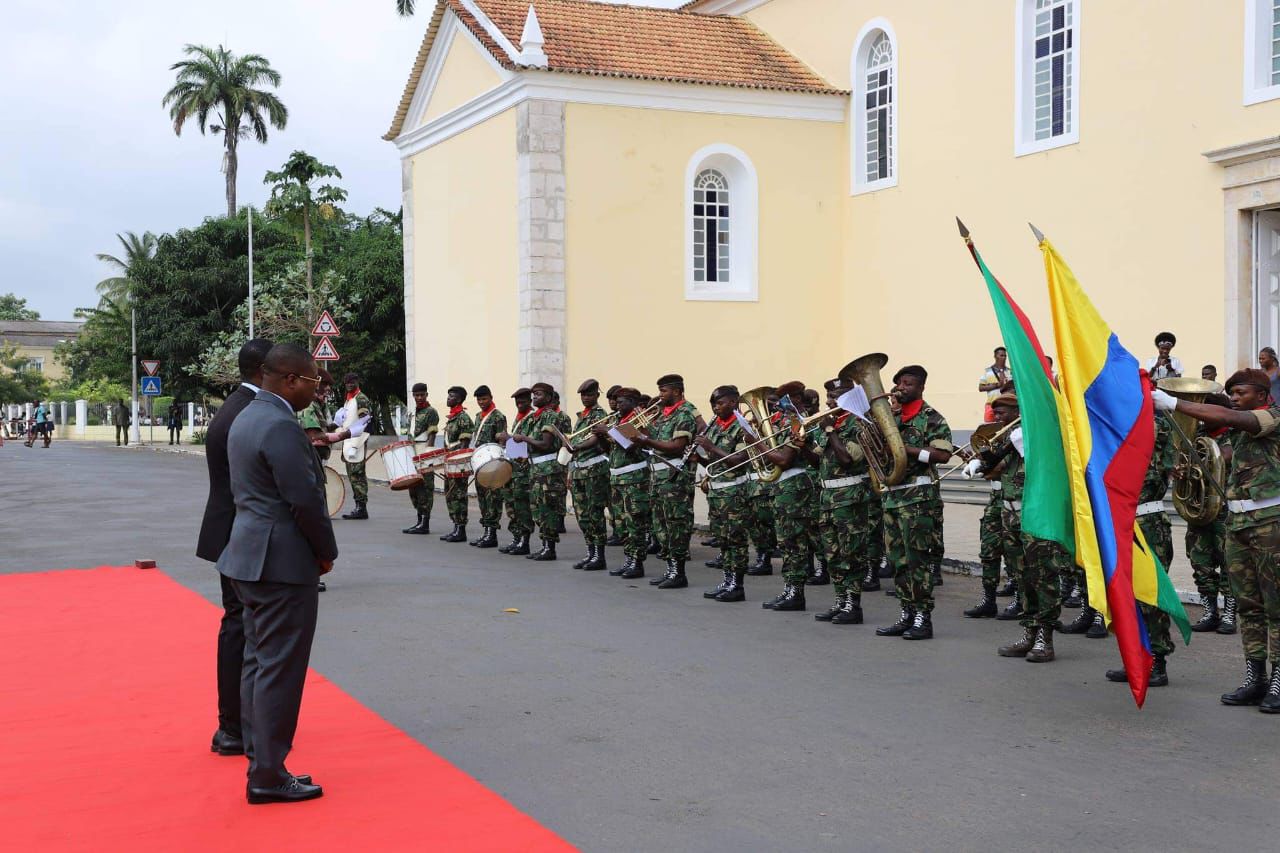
column 326, row 326
column 325, row 350
column 151, row 367
column 150, row 386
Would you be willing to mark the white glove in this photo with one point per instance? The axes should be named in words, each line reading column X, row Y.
column 972, row 469
column 1162, row 401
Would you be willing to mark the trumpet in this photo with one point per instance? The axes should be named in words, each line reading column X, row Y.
column 608, row 421
column 987, row 437
column 642, row 419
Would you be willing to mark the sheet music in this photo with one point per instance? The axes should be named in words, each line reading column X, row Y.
column 622, row 440
column 516, row 449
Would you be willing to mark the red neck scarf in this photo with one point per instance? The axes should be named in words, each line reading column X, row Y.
column 840, row 420
column 351, row 394
column 522, row 415
column 454, row 411
column 540, row 410
column 725, row 423
column 587, row 411
column 667, row 410
column 628, row 416
column 484, row 413
column 1218, row 433
column 910, row 410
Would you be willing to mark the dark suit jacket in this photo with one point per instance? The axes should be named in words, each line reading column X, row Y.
column 220, row 509
column 282, row 526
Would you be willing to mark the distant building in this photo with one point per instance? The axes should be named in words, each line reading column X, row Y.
column 37, row 339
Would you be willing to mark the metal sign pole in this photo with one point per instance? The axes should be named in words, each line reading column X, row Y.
column 251, row 271
column 133, row 358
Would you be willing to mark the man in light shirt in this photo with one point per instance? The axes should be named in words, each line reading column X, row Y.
column 996, row 380
column 1163, row 365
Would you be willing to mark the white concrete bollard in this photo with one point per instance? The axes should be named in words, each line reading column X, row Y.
column 82, row 416
column 191, row 421
column 63, row 407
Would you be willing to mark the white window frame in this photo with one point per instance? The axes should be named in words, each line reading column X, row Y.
column 36, row 363
column 1024, row 69
column 744, row 225
column 1257, row 53
column 858, row 183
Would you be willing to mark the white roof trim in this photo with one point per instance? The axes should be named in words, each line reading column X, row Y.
column 1234, row 155
column 726, row 7
column 450, row 28
column 513, row 53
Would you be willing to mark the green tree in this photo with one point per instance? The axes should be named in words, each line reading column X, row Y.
column 218, row 81
column 18, row 383
column 136, row 250
column 404, row 8
column 101, row 351
column 12, row 307
column 294, row 198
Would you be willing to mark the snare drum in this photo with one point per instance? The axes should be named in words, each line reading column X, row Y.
column 491, row 468
column 335, row 491
column 431, row 461
column 397, row 458
column 457, row 464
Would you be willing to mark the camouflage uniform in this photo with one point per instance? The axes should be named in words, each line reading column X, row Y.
column 845, row 522
column 1034, row 564
column 426, row 422
column 547, row 488
column 564, row 423
column 629, row 474
column 911, row 512
column 457, row 431
column 1253, row 536
column 490, row 500
column 672, row 497
column 516, row 493
column 1206, row 544
column 795, row 514
column 589, row 481
column 760, row 525
column 317, row 417
column 729, row 504
column 355, row 470
column 991, row 538
column 1156, row 528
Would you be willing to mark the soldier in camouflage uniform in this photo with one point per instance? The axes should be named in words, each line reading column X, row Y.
column 990, row 553
column 1154, row 523
column 615, row 500
column 911, row 508
column 353, row 419
column 819, row 574
column 760, row 523
column 426, row 423
column 667, row 439
column 547, row 486
column 629, row 476
column 589, row 478
column 1206, row 546
column 489, row 424
column 724, row 443
column 515, row 495
column 795, row 506
column 1253, row 525
column 458, row 428
column 845, row 508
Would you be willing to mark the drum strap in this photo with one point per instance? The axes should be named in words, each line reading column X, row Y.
column 483, row 421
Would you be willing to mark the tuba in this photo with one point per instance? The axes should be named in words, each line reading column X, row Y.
column 1196, row 499
column 758, row 405
column 880, row 440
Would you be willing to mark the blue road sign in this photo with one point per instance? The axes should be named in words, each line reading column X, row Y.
column 150, row 386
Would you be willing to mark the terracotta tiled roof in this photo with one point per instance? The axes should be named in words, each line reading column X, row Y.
column 638, row 42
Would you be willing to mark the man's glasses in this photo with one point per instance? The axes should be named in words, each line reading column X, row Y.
column 316, row 379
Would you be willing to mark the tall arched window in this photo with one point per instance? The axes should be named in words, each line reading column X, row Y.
column 875, row 108
column 721, row 227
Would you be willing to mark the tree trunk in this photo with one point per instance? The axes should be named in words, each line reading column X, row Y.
column 306, row 236
column 232, row 165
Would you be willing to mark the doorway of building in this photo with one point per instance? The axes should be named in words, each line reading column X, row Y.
column 1266, row 280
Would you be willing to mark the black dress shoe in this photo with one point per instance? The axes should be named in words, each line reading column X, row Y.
column 225, row 744
column 293, row 791
column 304, row 778
column 320, row 587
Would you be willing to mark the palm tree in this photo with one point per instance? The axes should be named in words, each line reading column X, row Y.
column 404, row 8
column 119, row 288
column 293, row 196
column 218, row 80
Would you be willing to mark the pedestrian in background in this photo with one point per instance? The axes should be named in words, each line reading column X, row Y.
column 175, row 422
column 123, row 419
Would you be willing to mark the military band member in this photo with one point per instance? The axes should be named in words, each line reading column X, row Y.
column 489, row 423
column 629, row 476
column 564, row 423
column 1253, row 525
column 547, row 487
column 615, row 501
column 352, row 421
column 458, row 428
column 794, row 504
column 818, row 572
column 589, row 478
column 760, row 522
column 671, row 432
column 1206, row 544
column 515, row 495
column 315, row 419
column 425, row 425
column 911, row 508
column 990, row 548
column 724, row 443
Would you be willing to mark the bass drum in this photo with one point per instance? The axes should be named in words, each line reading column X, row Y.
column 335, row 491
column 491, row 468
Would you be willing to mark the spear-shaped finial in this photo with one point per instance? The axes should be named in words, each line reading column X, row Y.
column 964, row 232
column 1036, row 231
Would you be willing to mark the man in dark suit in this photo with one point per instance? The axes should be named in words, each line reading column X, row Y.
column 281, row 543
column 215, row 530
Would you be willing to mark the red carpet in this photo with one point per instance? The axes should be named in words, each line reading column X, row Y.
column 106, row 708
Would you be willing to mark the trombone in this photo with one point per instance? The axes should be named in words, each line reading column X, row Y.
column 644, row 417
column 797, row 425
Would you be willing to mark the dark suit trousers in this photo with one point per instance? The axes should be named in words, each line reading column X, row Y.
column 230, row 659
column 279, row 624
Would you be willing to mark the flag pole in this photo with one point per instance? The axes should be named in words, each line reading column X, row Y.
column 133, row 360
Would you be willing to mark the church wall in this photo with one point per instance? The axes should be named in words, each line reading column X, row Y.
column 465, row 75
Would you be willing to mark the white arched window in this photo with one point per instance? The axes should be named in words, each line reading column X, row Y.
column 875, row 108
column 720, row 225
column 1047, row 84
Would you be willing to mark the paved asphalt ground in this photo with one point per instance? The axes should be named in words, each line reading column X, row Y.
column 625, row 718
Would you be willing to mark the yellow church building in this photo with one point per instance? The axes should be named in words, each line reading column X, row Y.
column 753, row 191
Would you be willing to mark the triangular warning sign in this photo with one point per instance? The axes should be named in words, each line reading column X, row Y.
column 150, row 366
column 326, row 326
column 325, row 350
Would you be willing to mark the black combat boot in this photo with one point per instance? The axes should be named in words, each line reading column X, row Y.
column 937, row 575
column 818, row 574
column 654, row 547
column 420, row 527
column 560, row 528
column 490, row 538
column 836, row 607
column 597, row 562
column 676, row 578
column 627, row 563
column 1098, row 630
column 1007, row 590
column 762, row 566
column 520, row 547
column 792, row 599
column 1227, row 619
column 986, row 608
column 724, row 584
column 1254, row 687
column 484, row 531
column 614, row 540
column 515, row 540
column 851, row 613
column 871, row 582
column 636, row 570
column 1081, row 623
column 1073, row 597
column 1019, row 648
column 736, row 591
column 921, row 627
column 771, row 603
column 360, row 512
column 1271, row 702
column 1014, row 610
column 1042, row 650
column 587, row 558
column 454, row 535
column 546, row 555
column 1209, row 620
column 884, row 570
column 716, row 562
column 713, row 542
column 1159, row 672
column 897, row 629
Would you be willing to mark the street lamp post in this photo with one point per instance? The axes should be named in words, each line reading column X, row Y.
column 133, row 358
